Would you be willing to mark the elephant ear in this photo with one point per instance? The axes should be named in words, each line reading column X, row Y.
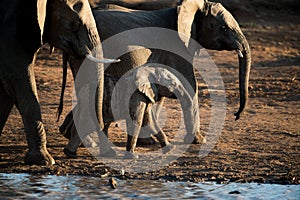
column 41, row 14
column 217, row 10
column 143, row 83
column 186, row 13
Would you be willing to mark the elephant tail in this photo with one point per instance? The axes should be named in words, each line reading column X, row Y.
column 63, row 86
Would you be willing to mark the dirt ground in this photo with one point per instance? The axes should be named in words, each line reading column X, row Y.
column 263, row 146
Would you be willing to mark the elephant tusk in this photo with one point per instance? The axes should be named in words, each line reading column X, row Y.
column 240, row 53
column 51, row 50
column 104, row 60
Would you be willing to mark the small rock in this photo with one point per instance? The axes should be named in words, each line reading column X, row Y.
column 113, row 183
column 122, row 172
column 234, row 192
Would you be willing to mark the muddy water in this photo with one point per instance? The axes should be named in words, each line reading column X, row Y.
column 25, row 186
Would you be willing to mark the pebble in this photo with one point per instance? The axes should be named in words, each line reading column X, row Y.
column 234, row 192
column 113, row 183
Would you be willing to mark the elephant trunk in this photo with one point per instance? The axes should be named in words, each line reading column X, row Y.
column 244, row 72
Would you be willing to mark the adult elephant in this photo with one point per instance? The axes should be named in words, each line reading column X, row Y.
column 24, row 26
column 210, row 24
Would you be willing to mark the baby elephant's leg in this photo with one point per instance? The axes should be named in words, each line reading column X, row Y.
column 158, row 132
column 134, row 125
column 145, row 137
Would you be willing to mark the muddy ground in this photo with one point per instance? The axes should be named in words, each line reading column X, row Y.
column 263, row 146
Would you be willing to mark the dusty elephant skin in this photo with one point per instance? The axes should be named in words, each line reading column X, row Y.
column 209, row 23
column 25, row 26
column 262, row 146
column 152, row 83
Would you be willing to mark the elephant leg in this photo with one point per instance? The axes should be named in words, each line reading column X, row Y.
column 192, row 124
column 7, row 104
column 159, row 133
column 145, row 136
column 134, row 126
column 26, row 100
column 190, row 84
column 89, row 141
column 157, row 108
column 74, row 139
column 71, row 148
column 65, row 128
column 187, row 77
column 69, row 131
column 76, row 132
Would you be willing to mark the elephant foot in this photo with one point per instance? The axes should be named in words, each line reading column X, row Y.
column 194, row 139
column 168, row 148
column 69, row 153
column 130, row 155
column 36, row 157
column 145, row 141
column 108, row 154
column 89, row 142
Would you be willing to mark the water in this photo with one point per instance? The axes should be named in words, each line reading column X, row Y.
column 25, row 186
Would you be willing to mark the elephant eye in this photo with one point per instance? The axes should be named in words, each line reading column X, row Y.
column 76, row 26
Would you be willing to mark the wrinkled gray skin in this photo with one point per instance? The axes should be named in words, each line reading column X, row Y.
column 150, row 85
column 213, row 27
column 210, row 24
column 24, row 26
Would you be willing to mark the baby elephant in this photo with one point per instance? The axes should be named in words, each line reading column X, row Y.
column 129, row 98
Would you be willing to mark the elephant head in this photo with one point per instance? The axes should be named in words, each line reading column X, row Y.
column 211, row 25
column 70, row 26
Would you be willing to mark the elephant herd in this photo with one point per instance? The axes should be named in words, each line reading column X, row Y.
column 136, row 77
